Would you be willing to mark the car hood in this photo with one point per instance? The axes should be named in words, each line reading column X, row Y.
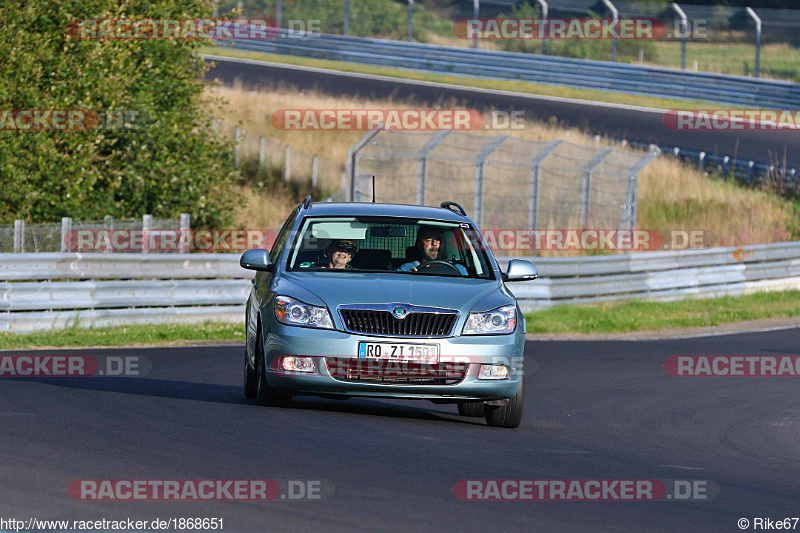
column 338, row 288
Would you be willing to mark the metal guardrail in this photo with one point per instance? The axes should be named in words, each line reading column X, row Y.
column 134, row 289
column 579, row 73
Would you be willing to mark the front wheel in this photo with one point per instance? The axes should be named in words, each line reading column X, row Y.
column 509, row 415
column 250, row 382
column 265, row 395
column 470, row 408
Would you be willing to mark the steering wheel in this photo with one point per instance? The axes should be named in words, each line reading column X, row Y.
column 435, row 267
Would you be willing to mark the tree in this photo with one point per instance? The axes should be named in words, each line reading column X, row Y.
column 166, row 161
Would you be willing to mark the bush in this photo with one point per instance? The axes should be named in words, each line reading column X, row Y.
column 174, row 163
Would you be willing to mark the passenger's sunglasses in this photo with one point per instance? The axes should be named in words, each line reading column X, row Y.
column 344, row 247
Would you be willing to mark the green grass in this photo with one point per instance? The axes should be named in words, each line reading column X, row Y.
column 501, row 85
column 126, row 335
column 638, row 316
column 777, row 60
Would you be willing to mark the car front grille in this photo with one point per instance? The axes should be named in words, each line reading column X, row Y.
column 415, row 324
column 385, row 372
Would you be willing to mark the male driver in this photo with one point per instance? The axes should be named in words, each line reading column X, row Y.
column 429, row 243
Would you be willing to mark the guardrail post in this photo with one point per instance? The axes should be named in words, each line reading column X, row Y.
column 476, row 9
column 750, row 165
column 183, row 238
column 147, row 226
column 533, row 199
column 66, row 234
column 238, row 136
column 19, row 236
column 314, row 170
column 410, row 19
column 346, row 17
column 262, row 152
column 287, row 163
column 701, row 159
column 684, row 31
column 586, row 188
column 725, row 167
column 422, row 163
column 480, row 161
column 545, row 8
column 615, row 16
column 758, row 38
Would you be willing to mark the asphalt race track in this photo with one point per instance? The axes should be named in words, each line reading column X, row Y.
column 612, row 120
column 594, row 410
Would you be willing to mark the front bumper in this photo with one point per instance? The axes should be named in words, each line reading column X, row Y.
column 321, row 344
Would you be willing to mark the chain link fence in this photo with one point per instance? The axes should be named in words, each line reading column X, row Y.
column 504, row 181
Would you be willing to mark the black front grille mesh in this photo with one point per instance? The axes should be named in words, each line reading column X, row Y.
column 413, row 325
column 384, row 372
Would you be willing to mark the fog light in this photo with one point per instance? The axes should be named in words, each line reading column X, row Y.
column 493, row 372
column 298, row 364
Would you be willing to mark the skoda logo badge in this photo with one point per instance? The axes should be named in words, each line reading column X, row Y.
column 399, row 312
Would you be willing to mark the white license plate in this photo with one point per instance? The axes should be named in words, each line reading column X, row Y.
column 399, row 351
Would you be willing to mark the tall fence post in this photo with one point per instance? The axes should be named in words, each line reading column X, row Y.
column 278, row 11
column 628, row 219
column 480, row 162
column 533, row 199
column 476, row 10
column 684, row 31
column 346, row 17
column 586, row 188
column 542, row 29
column 352, row 158
column 262, row 152
column 314, row 171
column 66, row 234
column 147, row 227
column 422, row 163
column 287, row 163
column 758, row 38
column 410, row 20
column 19, row 236
column 238, row 136
column 615, row 16
column 185, row 235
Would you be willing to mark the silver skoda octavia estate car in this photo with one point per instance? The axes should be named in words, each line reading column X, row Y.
column 389, row 301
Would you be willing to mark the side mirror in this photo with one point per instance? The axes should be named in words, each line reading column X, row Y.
column 520, row 270
column 256, row 260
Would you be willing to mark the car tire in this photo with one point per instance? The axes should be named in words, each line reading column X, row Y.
column 470, row 408
column 266, row 395
column 250, row 382
column 509, row 415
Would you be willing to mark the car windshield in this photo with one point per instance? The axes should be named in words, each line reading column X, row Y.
column 389, row 244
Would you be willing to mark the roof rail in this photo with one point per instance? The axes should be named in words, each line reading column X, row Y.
column 448, row 204
column 307, row 202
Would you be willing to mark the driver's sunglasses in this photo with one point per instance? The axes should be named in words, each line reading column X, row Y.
column 344, row 247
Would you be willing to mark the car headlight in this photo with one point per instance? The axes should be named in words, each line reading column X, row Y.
column 501, row 320
column 296, row 313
